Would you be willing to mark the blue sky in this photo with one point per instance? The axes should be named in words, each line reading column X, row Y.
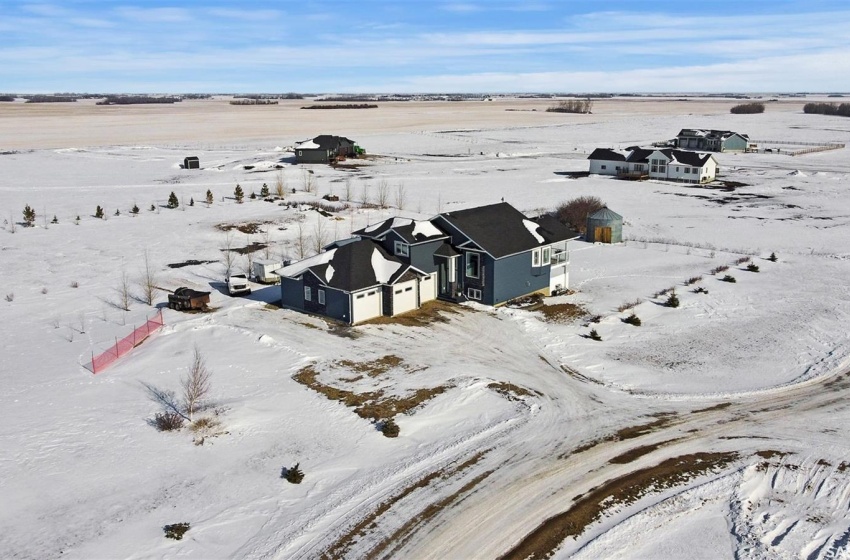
column 425, row 46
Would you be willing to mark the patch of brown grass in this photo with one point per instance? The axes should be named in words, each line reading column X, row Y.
column 720, row 406
column 373, row 368
column 625, row 490
column 430, row 312
column 663, row 419
column 371, row 404
column 563, row 312
column 248, row 228
column 638, row 452
column 512, row 392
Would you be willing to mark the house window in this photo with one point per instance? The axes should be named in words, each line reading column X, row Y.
column 473, row 293
column 402, row 249
column 604, row 167
column 308, row 293
column 299, row 153
column 546, row 256
column 535, row 257
column 321, row 295
column 473, row 265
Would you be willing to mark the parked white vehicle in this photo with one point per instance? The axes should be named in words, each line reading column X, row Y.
column 237, row 284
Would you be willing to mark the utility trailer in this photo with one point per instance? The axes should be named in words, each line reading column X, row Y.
column 264, row 271
column 184, row 299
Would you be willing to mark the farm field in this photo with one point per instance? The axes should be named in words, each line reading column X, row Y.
column 721, row 421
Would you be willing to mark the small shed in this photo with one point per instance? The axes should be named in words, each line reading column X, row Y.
column 191, row 162
column 604, row 226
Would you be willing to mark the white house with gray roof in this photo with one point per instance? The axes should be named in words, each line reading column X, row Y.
column 649, row 163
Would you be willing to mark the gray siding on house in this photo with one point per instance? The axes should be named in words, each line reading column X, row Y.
column 291, row 293
column 484, row 282
column 337, row 304
column 311, row 155
column 734, row 143
column 514, row 277
column 421, row 254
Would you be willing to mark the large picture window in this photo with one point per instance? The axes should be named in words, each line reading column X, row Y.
column 473, row 265
column 402, row 249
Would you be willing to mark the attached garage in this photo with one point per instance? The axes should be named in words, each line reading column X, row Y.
column 428, row 288
column 365, row 305
column 404, row 297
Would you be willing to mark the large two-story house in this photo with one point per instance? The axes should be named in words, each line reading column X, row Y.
column 712, row 140
column 490, row 254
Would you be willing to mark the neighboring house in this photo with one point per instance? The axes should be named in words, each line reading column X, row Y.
column 324, row 148
column 712, row 140
column 665, row 164
column 489, row 254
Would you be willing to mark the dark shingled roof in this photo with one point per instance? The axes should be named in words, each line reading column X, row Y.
column 607, row 155
column 331, row 142
column 352, row 264
column 554, row 231
column 404, row 227
column 498, row 228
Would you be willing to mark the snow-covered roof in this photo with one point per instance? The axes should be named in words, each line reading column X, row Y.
column 382, row 267
column 297, row 268
column 532, row 228
column 307, row 145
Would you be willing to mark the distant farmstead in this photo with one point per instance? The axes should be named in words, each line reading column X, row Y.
column 325, row 148
column 649, row 163
column 712, row 140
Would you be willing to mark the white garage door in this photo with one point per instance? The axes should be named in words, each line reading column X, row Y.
column 367, row 304
column 428, row 288
column 404, row 297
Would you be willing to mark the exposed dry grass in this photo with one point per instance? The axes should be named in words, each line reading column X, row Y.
column 720, row 406
column 563, row 312
column 512, row 392
column 373, row 368
column 248, row 228
column 663, row 419
column 638, row 452
column 625, row 490
column 629, row 305
column 371, row 404
column 430, row 312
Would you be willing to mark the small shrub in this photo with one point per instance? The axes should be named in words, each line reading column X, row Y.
column 390, row 429
column 134, row 210
column 629, row 305
column 293, row 475
column 209, row 197
column 205, row 424
column 692, row 280
column 748, row 108
column 672, row 300
column 55, row 220
column 168, row 421
column 117, row 212
column 574, row 212
column 176, row 531
column 153, row 208
column 742, row 260
column 75, row 284
column 264, row 191
column 98, row 213
column 632, row 320
column 700, row 290
column 593, row 319
column 772, row 257
column 253, row 195
column 728, row 278
column 663, row 292
column 719, row 269
column 29, row 216
column 44, row 290
column 192, row 201
column 752, row 267
column 10, row 297
column 77, row 220
column 172, row 201
column 594, row 335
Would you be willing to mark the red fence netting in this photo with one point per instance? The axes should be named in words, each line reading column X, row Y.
column 121, row 347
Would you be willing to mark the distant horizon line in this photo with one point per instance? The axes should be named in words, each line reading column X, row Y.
column 414, row 94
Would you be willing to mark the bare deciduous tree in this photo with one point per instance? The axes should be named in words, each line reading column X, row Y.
column 366, row 195
column 148, row 281
column 308, row 180
column 301, row 242
column 196, row 385
column 267, row 242
column 124, row 291
column 383, row 193
column 280, row 185
column 249, row 263
column 228, row 254
column 347, row 189
column 400, row 196
column 320, row 235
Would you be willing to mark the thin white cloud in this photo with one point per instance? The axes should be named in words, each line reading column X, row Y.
column 154, row 15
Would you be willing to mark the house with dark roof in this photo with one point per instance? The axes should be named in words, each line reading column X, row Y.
column 324, row 148
column 490, row 254
column 712, row 140
column 665, row 164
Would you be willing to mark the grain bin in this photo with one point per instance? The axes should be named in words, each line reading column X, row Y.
column 604, row 226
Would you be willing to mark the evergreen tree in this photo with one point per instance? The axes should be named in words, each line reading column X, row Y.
column 172, row 201
column 264, row 192
column 772, row 257
column 209, row 197
column 238, row 194
column 253, row 195
column 29, row 216
column 134, row 209
column 98, row 213
column 192, row 201
column 153, row 208
column 594, row 335
column 55, row 220
column 672, row 300
column 117, row 212
column 390, row 429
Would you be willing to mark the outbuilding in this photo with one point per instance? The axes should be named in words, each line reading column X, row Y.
column 604, row 226
column 191, row 162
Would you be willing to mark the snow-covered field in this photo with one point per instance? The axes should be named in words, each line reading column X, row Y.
column 753, row 373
